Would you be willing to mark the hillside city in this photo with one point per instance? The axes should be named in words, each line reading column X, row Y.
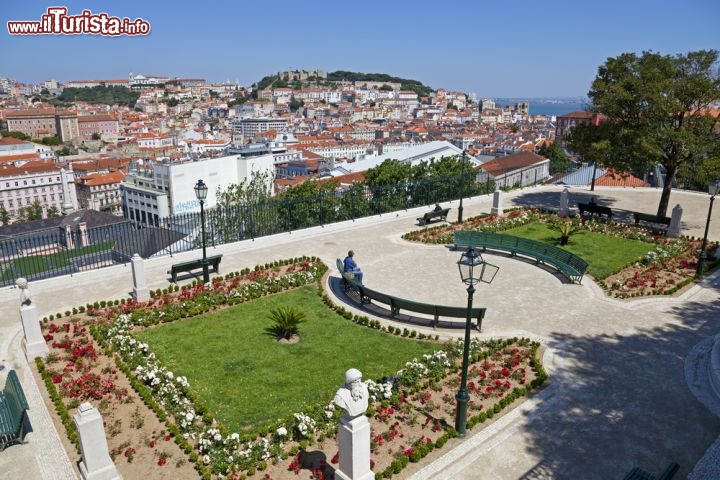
column 135, row 147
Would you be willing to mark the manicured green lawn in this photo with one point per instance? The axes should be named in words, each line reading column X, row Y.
column 247, row 378
column 605, row 254
column 34, row 264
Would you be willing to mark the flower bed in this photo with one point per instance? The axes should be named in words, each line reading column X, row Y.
column 154, row 418
column 669, row 265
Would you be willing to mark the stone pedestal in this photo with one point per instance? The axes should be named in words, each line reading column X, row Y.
column 33, row 343
column 140, row 289
column 354, row 443
column 564, row 196
column 96, row 463
column 497, row 208
column 674, row 228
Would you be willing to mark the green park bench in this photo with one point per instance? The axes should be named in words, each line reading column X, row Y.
column 594, row 209
column 213, row 262
column 349, row 280
column 429, row 216
column 397, row 304
column 657, row 222
column 638, row 473
column 13, row 411
column 565, row 262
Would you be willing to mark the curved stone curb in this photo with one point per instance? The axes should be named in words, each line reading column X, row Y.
column 702, row 376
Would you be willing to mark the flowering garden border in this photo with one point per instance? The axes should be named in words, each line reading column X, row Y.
column 675, row 259
column 215, row 451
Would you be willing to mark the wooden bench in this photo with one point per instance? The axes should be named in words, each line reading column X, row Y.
column 594, row 209
column 397, row 305
column 429, row 216
column 13, row 411
column 638, row 473
column 213, row 262
column 661, row 223
column 565, row 262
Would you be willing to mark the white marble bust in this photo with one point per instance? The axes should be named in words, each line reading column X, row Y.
column 353, row 395
column 22, row 284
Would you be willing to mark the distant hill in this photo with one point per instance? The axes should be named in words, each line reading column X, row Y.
column 341, row 75
column 405, row 83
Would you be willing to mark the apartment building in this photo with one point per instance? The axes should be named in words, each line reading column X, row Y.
column 36, row 181
column 248, row 127
column 89, row 125
column 154, row 191
column 100, row 191
column 35, row 122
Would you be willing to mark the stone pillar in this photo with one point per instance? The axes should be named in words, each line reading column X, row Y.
column 84, row 234
column 69, row 240
column 96, row 463
column 563, row 211
column 674, row 228
column 34, row 342
column 354, row 443
column 142, row 294
column 497, row 208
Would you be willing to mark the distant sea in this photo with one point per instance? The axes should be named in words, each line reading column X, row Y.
column 548, row 106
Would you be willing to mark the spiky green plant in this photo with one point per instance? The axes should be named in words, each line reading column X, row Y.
column 286, row 321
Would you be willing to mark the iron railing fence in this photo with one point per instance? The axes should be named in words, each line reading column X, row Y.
column 54, row 253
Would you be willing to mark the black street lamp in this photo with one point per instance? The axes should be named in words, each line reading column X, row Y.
column 201, row 191
column 462, row 187
column 473, row 269
column 713, row 188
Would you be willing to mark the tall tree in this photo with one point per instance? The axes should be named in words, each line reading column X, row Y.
column 657, row 111
column 559, row 161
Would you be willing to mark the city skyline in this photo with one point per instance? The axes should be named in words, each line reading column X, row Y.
column 535, row 51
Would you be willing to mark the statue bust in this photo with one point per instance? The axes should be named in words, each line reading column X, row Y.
column 353, row 395
column 22, row 284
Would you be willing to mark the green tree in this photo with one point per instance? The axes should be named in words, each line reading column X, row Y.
column 296, row 104
column 309, row 203
column 31, row 212
column 13, row 134
column 4, row 215
column 559, row 161
column 656, row 111
column 240, row 209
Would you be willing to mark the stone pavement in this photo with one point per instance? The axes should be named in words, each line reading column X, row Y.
column 622, row 391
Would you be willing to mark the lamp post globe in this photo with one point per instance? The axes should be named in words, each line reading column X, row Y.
column 201, row 191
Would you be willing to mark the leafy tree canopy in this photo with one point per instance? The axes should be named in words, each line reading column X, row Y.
column 559, row 161
column 108, row 95
column 405, row 84
column 656, row 111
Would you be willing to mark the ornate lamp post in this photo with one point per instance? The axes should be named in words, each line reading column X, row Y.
column 201, row 191
column 462, row 187
column 473, row 269
column 713, row 188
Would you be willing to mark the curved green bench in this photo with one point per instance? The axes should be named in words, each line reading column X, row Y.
column 565, row 262
column 397, row 304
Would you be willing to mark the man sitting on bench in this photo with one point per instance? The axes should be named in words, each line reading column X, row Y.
column 350, row 266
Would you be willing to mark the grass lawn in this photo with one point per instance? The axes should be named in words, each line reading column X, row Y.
column 247, row 378
column 605, row 254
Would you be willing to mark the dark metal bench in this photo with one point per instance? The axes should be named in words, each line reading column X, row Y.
column 565, row 262
column 638, row 473
column 213, row 262
column 594, row 209
column 657, row 222
column 13, row 411
column 427, row 217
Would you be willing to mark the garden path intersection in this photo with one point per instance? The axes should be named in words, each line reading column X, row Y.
column 627, row 385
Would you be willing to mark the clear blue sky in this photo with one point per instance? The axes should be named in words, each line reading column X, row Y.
column 520, row 48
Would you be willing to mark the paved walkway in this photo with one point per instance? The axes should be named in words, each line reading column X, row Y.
column 619, row 397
